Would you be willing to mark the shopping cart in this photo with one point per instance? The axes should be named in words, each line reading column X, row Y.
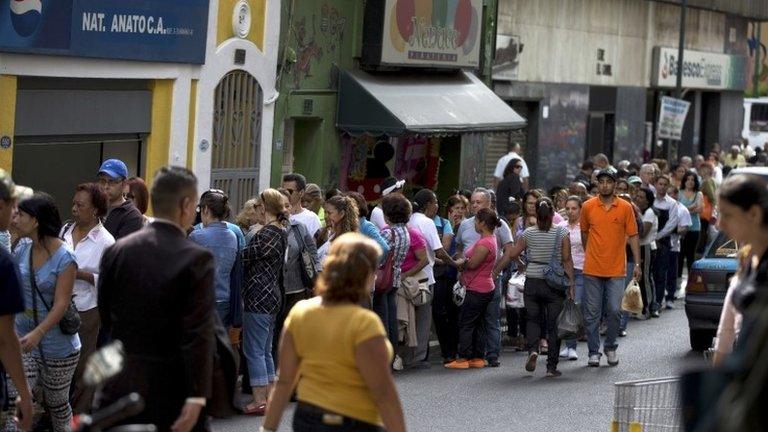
column 647, row 406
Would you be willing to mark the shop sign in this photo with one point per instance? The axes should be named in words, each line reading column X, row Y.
column 701, row 70
column 149, row 30
column 436, row 33
column 672, row 117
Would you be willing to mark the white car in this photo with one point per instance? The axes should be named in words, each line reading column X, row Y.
column 755, row 128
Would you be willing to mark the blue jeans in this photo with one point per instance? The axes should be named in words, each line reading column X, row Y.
column 493, row 324
column 259, row 330
column 222, row 308
column 578, row 279
column 602, row 298
column 625, row 315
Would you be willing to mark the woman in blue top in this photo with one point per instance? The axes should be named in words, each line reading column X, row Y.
column 691, row 197
column 50, row 356
column 367, row 228
column 222, row 242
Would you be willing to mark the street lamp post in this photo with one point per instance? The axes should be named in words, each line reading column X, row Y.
column 673, row 147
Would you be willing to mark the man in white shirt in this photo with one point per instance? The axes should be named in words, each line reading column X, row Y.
column 295, row 185
column 514, row 153
column 466, row 236
column 666, row 207
column 684, row 222
column 390, row 185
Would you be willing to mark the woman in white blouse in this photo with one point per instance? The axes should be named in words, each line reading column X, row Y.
column 88, row 238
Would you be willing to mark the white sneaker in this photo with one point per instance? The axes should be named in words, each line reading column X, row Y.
column 398, row 363
column 564, row 353
column 572, row 354
column 613, row 358
column 594, row 360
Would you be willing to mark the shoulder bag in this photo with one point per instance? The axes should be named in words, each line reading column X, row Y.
column 70, row 323
column 554, row 273
column 417, row 289
column 308, row 271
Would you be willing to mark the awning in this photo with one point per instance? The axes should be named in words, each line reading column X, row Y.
column 394, row 104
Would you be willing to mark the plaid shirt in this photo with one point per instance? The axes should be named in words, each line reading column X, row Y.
column 399, row 241
column 263, row 260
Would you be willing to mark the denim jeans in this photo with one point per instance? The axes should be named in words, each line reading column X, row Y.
column 222, row 308
column 259, row 330
column 625, row 315
column 493, row 324
column 602, row 298
column 542, row 301
column 578, row 280
column 309, row 418
column 385, row 305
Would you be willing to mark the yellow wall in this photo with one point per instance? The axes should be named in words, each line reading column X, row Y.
column 224, row 22
column 159, row 140
column 7, row 117
column 191, row 127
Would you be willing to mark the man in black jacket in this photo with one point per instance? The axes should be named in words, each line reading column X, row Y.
column 123, row 217
column 156, row 296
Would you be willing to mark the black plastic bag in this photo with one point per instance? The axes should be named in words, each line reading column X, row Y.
column 570, row 322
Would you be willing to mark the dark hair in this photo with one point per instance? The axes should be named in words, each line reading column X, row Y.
column 456, row 199
column 512, row 207
column 42, row 207
column 530, row 193
column 300, row 180
column 696, row 184
column 545, row 211
column 587, row 165
column 362, row 204
column 421, row 199
column 98, row 197
column 332, row 192
column 510, row 168
column 396, row 208
column 649, row 195
column 217, row 203
column 171, row 185
column 489, row 218
column 744, row 191
column 138, row 193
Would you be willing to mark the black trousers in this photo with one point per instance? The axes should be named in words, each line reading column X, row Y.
column 290, row 302
column 687, row 256
column 472, row 324
column 541, row 300
column 703, row 237
column 445, row 314
column 309, row 418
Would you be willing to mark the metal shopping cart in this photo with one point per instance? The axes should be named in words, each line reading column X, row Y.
column 650, row 405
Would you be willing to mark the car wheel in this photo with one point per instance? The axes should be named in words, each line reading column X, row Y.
column 701, row 339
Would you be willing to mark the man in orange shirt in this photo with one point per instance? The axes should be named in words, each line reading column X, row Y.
column 607, row 224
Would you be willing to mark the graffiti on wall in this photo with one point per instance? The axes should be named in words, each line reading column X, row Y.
column 332, row 24
column 561, row 148
column 308, row 49
column 319, row 39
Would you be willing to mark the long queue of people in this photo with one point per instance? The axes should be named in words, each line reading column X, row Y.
column 164, row 284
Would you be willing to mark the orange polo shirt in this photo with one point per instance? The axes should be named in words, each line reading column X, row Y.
column 608, row 230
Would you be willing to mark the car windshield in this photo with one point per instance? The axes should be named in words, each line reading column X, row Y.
column 758, row 119
column 723, row 247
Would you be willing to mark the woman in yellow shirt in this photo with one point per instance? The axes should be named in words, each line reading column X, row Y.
column 337, row 351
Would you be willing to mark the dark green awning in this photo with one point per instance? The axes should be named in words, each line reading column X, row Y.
column 394, row 104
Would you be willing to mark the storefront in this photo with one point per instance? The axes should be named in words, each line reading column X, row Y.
column 87, row 80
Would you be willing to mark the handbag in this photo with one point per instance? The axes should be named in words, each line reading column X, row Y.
column 554, row 273
column 70, row 322
column 385, row 274
column 417, row 289
column 308, row 271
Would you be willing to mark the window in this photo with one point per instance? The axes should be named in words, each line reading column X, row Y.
column 758, row 118
column 723, row 247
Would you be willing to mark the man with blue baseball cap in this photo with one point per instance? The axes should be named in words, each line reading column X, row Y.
column 123, row 217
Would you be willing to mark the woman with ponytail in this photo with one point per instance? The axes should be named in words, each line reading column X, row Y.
column 263, row 263
column 541, row 244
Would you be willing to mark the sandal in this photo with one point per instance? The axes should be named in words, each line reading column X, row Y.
column 255, row 410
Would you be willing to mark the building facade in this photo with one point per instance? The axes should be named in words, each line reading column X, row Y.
column 182, row 82
column 589, row 76
column 388, row 88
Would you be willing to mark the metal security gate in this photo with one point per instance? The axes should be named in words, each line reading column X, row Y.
column 237, row 137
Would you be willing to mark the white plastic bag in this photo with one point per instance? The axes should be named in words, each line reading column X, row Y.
column 515, row 291
column 633, row 299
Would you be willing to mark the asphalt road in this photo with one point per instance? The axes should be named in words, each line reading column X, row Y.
column 510, row 399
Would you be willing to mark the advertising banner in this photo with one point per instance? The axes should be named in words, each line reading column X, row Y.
column 150, row 30
column 701, row 70
column 437, row 33
column 672, row 117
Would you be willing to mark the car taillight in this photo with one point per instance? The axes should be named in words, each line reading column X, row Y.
column 696, row 283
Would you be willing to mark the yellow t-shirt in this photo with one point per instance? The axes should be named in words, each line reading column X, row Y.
column 325, row 338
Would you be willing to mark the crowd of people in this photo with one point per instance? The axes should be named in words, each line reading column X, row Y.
column 330, row 288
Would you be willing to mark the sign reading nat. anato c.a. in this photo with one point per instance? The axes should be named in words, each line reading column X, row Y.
column 150, row 30
column 437, row 33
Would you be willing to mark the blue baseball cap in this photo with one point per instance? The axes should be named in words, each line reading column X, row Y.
column 114, row 168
